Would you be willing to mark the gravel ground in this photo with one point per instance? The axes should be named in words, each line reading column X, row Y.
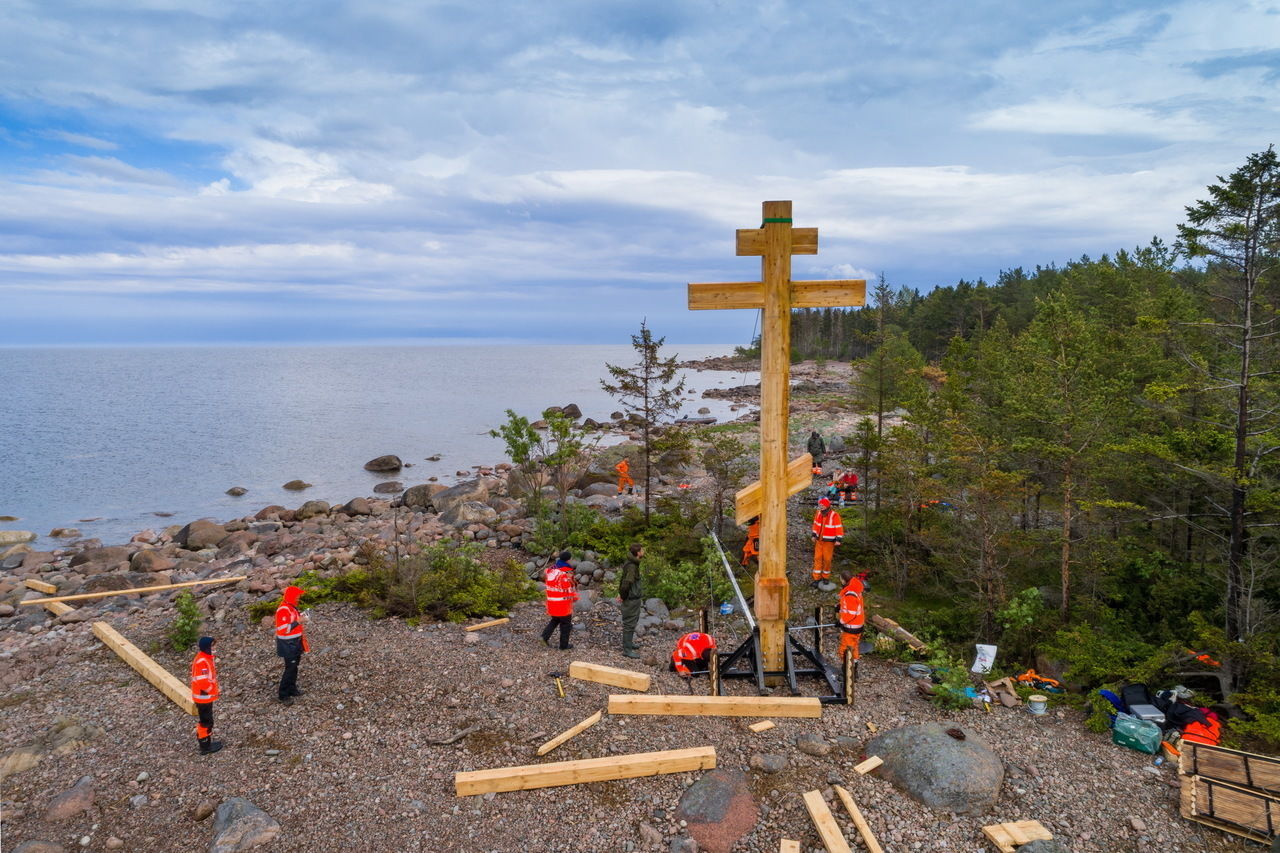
column 358, row 768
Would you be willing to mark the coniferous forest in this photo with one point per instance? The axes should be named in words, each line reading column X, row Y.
column 1089, row 470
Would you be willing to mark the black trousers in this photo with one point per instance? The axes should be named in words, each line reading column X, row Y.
column 289, row 680
column 205, row 727
column 566, row 625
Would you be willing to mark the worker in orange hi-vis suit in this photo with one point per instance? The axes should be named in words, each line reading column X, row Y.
column 853, row 615
column 751, row 548
column 827, row 532
column 624, row 477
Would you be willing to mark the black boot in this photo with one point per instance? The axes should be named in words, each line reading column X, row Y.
column 208, row 745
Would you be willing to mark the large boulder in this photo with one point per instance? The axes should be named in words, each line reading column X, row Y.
column 941, row 771
column 357, row 506
column 719, row 809
column 389, row 487
column 296, row 485
column 389, row 462
column 469, row 490
column 71, row 802
column 311, row 509
column 200, row 534
column 420, row 497
column 100, row 558
column 572, row 411
column 16, row 537
column 150, row 561
column 240, row 825
column 469, row 512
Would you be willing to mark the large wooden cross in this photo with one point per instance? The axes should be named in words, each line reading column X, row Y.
column 775, row 241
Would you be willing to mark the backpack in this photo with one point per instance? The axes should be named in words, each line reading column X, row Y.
column 1136, row 694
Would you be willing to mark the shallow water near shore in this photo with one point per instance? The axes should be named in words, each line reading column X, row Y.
column 118, row 435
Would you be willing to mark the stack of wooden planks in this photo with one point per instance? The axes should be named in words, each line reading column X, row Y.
column 1237, row 792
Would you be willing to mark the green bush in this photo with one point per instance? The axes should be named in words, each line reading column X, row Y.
column 1262, row 729
column 692, row 583
column 185, row 629
column 953, row 679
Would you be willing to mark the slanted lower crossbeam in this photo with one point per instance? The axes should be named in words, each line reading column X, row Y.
column 559, row 773
column 716, row 706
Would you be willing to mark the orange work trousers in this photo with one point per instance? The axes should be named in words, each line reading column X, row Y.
column 823, row 551
column 850, row 641
column 625, row 482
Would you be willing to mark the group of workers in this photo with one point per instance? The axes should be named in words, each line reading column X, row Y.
column 291, row 644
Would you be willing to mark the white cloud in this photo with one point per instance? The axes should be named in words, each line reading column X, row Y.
column 83, row 140
column 1073, row 115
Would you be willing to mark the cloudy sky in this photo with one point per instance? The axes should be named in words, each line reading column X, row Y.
column 223, row 171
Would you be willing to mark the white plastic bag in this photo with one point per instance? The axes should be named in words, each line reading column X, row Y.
column 985, row 658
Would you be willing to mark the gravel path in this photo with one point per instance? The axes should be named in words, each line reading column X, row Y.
column 358, row 766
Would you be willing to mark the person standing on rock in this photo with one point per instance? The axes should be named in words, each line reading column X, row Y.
column 204, row 692
column 291, row 642
column 818, row 450
column 562, row 592
column 624, row 477
column 827, row 532
column 631, row 596
column 853, row 614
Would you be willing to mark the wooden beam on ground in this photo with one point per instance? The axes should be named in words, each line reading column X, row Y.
column 893, row 629
column 867, row 766
column 57, row 608
column 153, row 672
column 762, row 726
column 568, row 734
column 87, row 595
column 1008, row 837
column 828, row 829
column 868, row 837
column 491, row 623
column 609, row 675
column 586, row 770
column 716, row 706
column 40, row 586
column 789, row 846
column 748, row 499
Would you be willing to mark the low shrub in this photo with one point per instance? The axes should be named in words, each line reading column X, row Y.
column 185, row 629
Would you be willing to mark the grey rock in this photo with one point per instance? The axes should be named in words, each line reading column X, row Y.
column 148, row 560
column 649, row 836
column 422, row 497
column 12, row 561
column 390, row 462
column 39, row 847
column 357, row 506
column 1052, row 846
column 71, row 802
column 137, row 801
column 469, row 512
column 389, row 487
column 768, row 762
column 962, row 776
column 16, row 537
column 572, row 411
column 64, row 532
column 296, row 485
column 99, row 558
column 240, row 825
column 312, row 509
column 237, row 491
column 657, row 608
column 202, row 810
column 587, row 599
column 813, row 744
column 470, row 490
column 200, row 534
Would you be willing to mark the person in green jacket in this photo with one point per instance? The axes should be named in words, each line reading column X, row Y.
column 631, row 595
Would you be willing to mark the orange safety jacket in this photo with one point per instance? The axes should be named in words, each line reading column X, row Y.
column 828, row 526
column 751, row 548
column 288, row 622
column 1211, row 734
column 689, row 649
column 852, row 616
column 623, row 467
column 562, row 591
column 204, row 679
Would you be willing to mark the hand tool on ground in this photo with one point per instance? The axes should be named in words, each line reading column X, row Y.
column 559, row 684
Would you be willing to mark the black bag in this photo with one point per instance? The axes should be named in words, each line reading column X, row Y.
column 1136, row 694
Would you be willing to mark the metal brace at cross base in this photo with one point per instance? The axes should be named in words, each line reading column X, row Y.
column 746, row 661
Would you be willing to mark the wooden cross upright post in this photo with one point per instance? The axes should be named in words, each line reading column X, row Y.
column 775, row 241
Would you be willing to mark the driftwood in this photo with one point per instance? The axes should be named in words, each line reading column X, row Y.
column 893, row 629
column 454, row 738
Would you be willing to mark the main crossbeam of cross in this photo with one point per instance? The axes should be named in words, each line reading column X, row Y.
column 775, row 294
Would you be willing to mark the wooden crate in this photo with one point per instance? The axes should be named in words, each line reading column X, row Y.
column 1007, row 837
column 1245, row 769
column 1231, row 808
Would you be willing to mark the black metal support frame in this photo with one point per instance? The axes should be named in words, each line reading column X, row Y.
column 746, row 661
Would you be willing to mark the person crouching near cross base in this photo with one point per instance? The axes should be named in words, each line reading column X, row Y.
column 291, row 642
column 853, row 614
column 204, row 692
column 827, row 533
column 693, row 654
column 631, row 597
column 562, row 592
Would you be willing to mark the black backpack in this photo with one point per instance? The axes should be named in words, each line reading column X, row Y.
column 1136, row 694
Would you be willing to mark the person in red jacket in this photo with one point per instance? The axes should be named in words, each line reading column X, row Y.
column 204, row 692
column 291, row 642
column 848, row 487
column 853, row 615
column 693, row 654
column 827, row 532
column 562, row 592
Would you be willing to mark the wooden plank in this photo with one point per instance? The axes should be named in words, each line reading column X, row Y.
column 747, row 501
column 1007, row 837
column 153, row 672
column 40, row 586
column 57, row 608
column 895, row 630
column 828, row 829
column 762, row 726
column 864, row 829
column 559, row 773
column 87, row 595
column 570, row 733
column 867, row 766
column 1246, row 769
column 1243, row 811
column 717, row 295
column 610, row 675
column 789, row 846
column 750, row 241
column 716, row 706
column 491, row 623
column 829, row 294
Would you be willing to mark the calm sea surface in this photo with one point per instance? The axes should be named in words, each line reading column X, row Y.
column 118, row 435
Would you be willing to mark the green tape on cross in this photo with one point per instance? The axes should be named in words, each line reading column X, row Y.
column 786, row 219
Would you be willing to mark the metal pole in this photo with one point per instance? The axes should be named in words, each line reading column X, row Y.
column 737, row 591
column 817, row 630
